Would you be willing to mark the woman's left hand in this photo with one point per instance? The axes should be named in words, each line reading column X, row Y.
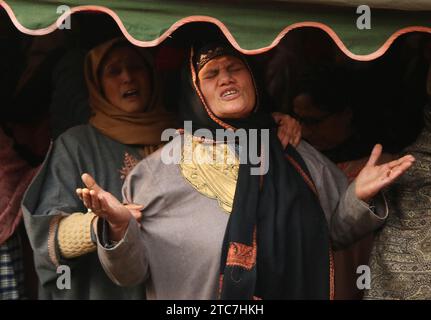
column 289, row 129
column 373, row 178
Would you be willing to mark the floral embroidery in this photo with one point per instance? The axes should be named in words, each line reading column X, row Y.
column 212, row 178
column 242, row 255
column 129, row 163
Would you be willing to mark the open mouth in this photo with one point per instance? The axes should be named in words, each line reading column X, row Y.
column 131, row 93
column 229, row 94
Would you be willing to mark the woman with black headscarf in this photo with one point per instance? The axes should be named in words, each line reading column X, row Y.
column 213, row 228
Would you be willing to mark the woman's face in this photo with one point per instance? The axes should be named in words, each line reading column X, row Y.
column 322, row 130
column 126, row 80
column 227, row 87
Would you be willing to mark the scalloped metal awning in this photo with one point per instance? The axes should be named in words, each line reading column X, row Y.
column 251, row 26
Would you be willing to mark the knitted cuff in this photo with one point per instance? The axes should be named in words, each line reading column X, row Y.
column 74, row 235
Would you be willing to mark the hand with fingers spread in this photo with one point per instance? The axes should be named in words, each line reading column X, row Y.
column 373, row 178
column 289, row 129
column 106, row 206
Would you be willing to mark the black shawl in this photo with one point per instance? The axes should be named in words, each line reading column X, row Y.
column 276, row 244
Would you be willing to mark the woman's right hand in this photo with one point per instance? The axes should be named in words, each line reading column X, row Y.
column 106, row 206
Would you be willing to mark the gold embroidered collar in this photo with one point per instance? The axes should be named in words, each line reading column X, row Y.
column 211, row 168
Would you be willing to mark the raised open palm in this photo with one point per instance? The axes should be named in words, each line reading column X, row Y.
column 373, row 178
column 106, row 206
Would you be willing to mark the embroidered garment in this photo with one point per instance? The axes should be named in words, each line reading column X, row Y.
column 51, row 196
column 276, row 217
column 107, row 149
column 401, row 257
column 273, row 245
column 211, row 169
column 177, row 251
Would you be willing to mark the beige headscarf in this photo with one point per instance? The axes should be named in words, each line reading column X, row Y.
column 138, row 128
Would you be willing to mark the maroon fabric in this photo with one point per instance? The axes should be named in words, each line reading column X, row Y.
column 15, row 175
